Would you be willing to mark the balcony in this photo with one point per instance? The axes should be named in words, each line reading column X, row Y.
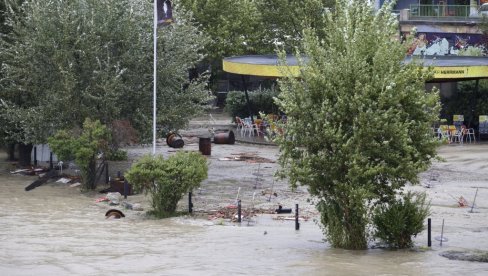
column 441, row 12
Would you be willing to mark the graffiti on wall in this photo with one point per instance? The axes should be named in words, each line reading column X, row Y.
column 442, row 44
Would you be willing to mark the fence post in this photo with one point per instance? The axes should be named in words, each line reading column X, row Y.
column 239, row 211
column 35, row 156
column 297, row 224
column 190, row 204
column 51, row 165
column 107, row 178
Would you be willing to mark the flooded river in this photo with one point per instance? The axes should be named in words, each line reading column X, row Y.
column 56, row 230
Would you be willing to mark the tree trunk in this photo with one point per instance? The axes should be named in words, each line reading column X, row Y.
column 90, row 175
column 25, row 154
column 11, row 152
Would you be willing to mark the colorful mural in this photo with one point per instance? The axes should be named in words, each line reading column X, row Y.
column 445, row 44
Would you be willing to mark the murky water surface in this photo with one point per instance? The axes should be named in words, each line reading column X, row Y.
column 55, row 230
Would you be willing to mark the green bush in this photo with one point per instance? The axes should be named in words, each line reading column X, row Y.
column 117, row 155
column 396, row 223
column 350, row 210
column 260, row 100
column 167, row 180
column 83, row 148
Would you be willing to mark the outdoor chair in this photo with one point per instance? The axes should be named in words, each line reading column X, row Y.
column 249, row 128
column 456, row 136
column 443, row 132
column 468, row 133
column 240, row 125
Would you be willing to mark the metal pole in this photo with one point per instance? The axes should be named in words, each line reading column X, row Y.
column 297, row 224
column 429, row 232
column 35, row 156
column 107, row 177
column 155, row 29
column 247, row 98
column 51, row 165
column 239, row 211
column 442, row 231
column 472, row 206
column 190, row 204
column 126, row 189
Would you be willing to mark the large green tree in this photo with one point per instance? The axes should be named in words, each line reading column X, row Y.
column 234, row 26
column 66, row 61
column 284, row 20
column 248, row 27
column 359, row 119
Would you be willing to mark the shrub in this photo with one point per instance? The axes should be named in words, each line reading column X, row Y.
column 350, row 210
column 117, row 155
column 167, row 180
column 235, row 104
column 83, row 148
column 261, row 100
column 396, row 223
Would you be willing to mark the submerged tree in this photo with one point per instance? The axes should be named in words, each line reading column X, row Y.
column 65, row 61
column 359, row 119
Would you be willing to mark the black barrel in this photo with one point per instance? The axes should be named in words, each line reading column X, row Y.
column 205, row 145
column 174, row 140
column 225, row 138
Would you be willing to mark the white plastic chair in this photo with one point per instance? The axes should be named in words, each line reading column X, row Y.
column 249, row 127
column 470, row 134
column 457, row 136
column 240, row 125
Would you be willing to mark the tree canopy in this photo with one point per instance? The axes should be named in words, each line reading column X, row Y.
column 66, row 61
column 248, row 27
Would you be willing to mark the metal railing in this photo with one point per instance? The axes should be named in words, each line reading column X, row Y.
column 459, row 11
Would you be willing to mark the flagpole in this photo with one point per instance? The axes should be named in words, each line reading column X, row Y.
column 155, row 29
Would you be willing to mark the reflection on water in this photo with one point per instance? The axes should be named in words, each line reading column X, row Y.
column 55, row 230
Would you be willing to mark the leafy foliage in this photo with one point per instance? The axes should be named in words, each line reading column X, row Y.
column 247, row 27
column 346, row 218
column 398, row 221
column 234, row 26
column 117, row 155
column 65, row 61
column 359, row 118
column 261, row 100
column 284, row 21
column 83, row 148
column 467, row 101
column 168, row 180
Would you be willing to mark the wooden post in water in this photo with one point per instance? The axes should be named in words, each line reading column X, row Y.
column 429, row 232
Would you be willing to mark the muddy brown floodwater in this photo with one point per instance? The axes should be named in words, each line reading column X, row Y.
column 56, row 230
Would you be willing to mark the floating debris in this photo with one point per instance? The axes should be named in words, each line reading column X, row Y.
column 63, row 180
column 303, row 218
column 114, row 214
column 282, row 210
column 42, row 179
column 247, row 157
